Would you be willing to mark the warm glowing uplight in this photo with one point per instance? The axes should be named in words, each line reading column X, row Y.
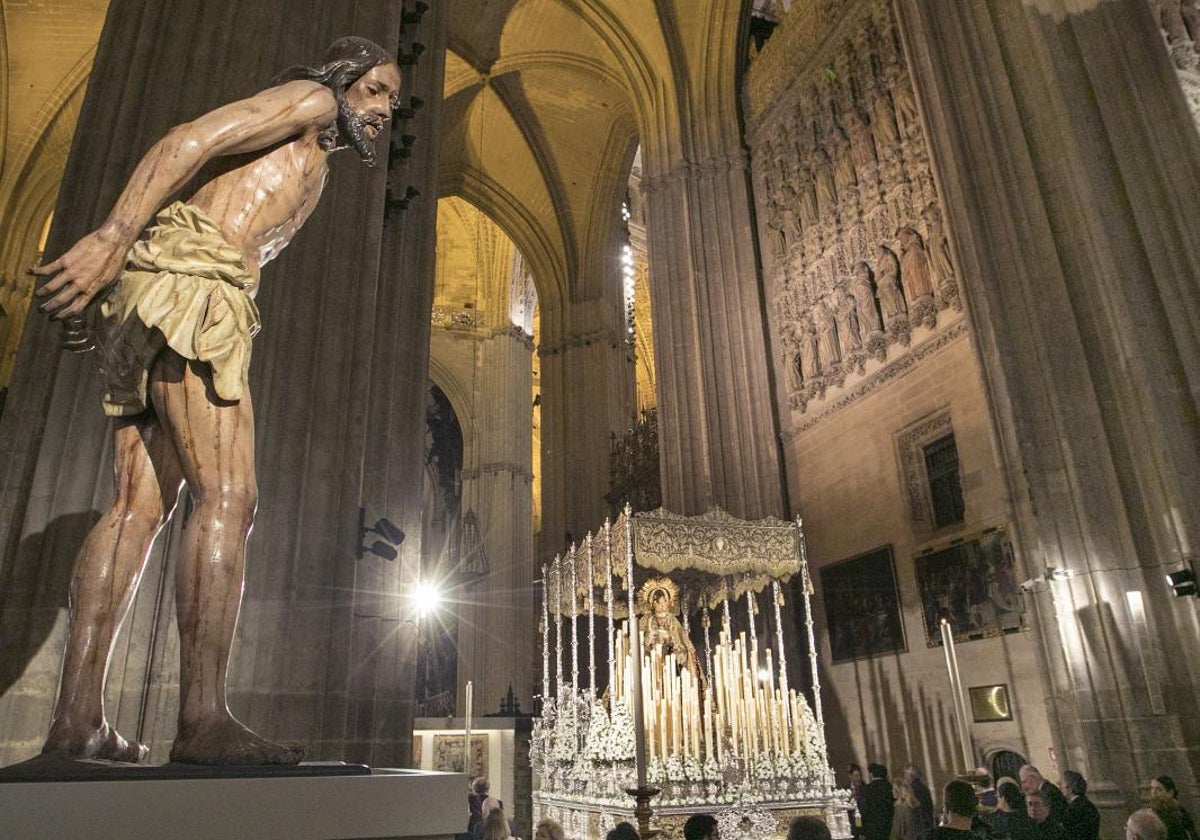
column 426, row 598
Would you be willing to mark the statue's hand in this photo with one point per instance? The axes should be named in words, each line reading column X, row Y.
column 90, row 266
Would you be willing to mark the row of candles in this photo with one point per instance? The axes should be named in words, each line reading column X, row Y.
column 742, row 710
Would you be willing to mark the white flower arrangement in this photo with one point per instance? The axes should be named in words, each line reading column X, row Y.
column 620, row 744
column 595, row 742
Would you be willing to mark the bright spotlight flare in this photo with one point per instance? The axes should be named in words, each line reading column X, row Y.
column 426, row 597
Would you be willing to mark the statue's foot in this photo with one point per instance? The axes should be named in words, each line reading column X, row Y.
column 103, row 742
column 225, row 741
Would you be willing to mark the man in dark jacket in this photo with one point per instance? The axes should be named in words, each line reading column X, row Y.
column 1044, row 827
column 1082, row 821
column 1032, row 781
column 878, row 804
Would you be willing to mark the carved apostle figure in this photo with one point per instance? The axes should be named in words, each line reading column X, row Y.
column 939, row 249
column 823, row 175
column 905, row 105
column 809, row 347
column 862, row 143
column 863, row 291
column 806, row 198
column 826, row 324
column 170, row 309
column 883, row 124
column 846, row 315
column 887, row 281
column 844, row 174
column 914, row 265
column 792, row 225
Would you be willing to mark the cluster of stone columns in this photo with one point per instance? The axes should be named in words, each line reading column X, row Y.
column 1068, row 161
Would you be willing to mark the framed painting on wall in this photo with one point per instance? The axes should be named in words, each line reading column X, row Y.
column 448, row 754
column 973, row 584
column 862, row 606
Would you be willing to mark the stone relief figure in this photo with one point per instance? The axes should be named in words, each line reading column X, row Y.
column 862, row 289
column 914, row 265
column 905, row 106
column 809, row 346
column 940, row 259
column 844, row 174
column 846, row 314
column 790, row 219
column 795, row 370
column 862, row 142
column 169, row 308
column 826, row 324
column 806, row 198
column 826, row 190
column 883, row 125
column 914, row 272
column 891, row 297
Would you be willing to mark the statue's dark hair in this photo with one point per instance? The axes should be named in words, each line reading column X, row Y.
column 346, row 60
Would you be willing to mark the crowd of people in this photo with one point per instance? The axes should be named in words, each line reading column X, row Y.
column 1030, row 807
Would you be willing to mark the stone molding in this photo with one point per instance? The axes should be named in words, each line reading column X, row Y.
column 610, row 337
column 901, row 366
column 475, row 323
column 458, row 318
column 497, row 467
column 689, row 170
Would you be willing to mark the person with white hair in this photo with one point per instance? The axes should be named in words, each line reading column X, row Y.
column 1145, row 825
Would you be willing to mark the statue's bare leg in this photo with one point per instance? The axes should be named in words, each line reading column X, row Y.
column 107, row 572
column 215, row 443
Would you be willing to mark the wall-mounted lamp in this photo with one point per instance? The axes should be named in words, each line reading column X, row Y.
column 386, row 547
column 1183, row 582
column 1051, row 574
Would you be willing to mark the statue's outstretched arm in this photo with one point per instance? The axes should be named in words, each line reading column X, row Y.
column 95, row 261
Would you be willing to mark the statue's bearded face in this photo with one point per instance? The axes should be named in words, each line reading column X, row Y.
column 366, row 106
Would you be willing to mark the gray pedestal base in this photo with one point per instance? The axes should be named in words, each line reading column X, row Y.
column 386, row 804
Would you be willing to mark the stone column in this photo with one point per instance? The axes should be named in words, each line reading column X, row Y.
column 325, row 381
column 496, row 639
column 1068, row 162
column 366, row 697
column 588, row 393
column 718, row 435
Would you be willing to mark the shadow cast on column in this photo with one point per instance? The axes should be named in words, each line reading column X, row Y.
column 33, row 591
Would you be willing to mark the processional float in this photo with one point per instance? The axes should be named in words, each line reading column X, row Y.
column 713, row 730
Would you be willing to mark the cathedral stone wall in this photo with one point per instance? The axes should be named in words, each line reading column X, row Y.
column 849, row 481
column 873, row 359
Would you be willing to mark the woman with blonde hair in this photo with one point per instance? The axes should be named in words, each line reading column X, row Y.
column 907, row 819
